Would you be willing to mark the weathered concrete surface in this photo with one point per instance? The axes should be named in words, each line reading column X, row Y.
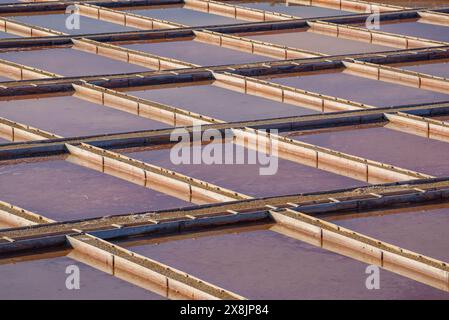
column 197, row 52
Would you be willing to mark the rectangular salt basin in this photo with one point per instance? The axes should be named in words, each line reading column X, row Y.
column 319, row 43
column 186, row 16
column 385, row 145
column 417, row 29
column 363, row 90
column 70, row 62
column 285, row 177
column 434, row 69
column 198, row 53
column 61, row 191
column 46, row 279
column 264, row 264
column 57, row 22
column 292, row 9
column 221, row 103
column 422, row 230
column 70, row 116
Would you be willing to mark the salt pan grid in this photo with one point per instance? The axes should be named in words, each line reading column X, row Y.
column 250, row 54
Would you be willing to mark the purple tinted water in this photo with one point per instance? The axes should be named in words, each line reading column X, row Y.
column 221, row 103
column 419, row 230
column 69, row 116
column 267, row 265
column 320, row 43
column 58, row 22
column 3, row 225
column 186, row 16
column 435, row 69
column 417, row 29
column 4, row 35
column 70, row 62
column 198, row 53
column 372, row 92
column 63, row 191
column 293, row 9
column 289, row 177
column 385, row 145
column 45, row 279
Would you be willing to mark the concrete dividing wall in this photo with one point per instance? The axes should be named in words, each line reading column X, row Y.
column 424, row 127
column 141, row 107
column 17, row 132
column 370, row 36
column 19, row 217
column 349, row 5
column 115, row 266
column 150, row 176
column 398, row 76
column 123, row 170
column 128, row 265
column 360, row 247
column 125, row 18
column 325, row 159
column 130, row 56
column 234, row 11
column 17, row 71
column 432, row 17
column 24, row 30
column 285, row 94
column 253, row 46
column 321, row 158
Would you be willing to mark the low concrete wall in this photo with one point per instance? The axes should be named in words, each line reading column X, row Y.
column 360, row 247
column 349, row 5
column 371, row 36
column 128, row 265
column 125, row 18
column 234, row 11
